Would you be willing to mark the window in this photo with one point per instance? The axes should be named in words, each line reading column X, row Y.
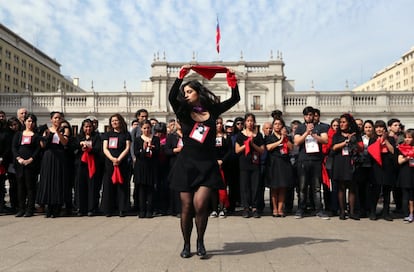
column 256, row 103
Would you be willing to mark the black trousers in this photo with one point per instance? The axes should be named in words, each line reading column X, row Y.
column 26, row 180
column 249, row 187
column 309, row 174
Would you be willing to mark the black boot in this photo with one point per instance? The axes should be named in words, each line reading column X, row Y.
column 185, row 253
column 201, row 250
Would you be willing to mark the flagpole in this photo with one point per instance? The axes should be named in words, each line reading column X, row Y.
column 218, row 37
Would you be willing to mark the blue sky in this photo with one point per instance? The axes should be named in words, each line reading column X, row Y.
column 108, row 42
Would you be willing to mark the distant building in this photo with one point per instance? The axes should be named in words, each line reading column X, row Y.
column 24, row 68
column 398, row 76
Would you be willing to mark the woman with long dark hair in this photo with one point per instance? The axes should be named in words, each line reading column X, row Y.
column 196, row 171
column 279, row 172
column 249, row 146
column 89, row 146
column 53, row 169
column 26, row 148
column 346, row 144
column 116, row 147
column 383, row 169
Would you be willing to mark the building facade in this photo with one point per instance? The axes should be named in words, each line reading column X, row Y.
column 398, row 76
column 31, row 79
column 24, row 68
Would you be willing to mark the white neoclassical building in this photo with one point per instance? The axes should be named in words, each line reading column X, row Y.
column 31, row 79
column 263, row 87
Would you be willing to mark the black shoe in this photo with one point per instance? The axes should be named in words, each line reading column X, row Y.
column 201, row 250
column 90, row 214
column 19, row 214
column 256, row 214
column 354, row 217
column 246, row 214
column 141, row 215
column 342, row 216
column 148, row 215
column 185, row 253
column 28, row 213
column 387, row 217
column 121, row 214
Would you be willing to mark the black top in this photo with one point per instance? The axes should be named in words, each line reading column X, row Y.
column 116, row 142
column 250, row 161
column 314, row 156
column 26, row 147
column 196, row 165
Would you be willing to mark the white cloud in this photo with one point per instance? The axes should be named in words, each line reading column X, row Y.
column 112, row 41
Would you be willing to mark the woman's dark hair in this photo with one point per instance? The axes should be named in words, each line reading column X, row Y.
column 64, row 121
column 249, row 114
column 207, row 98
column 12, row 120
column 334, row 120
column 410, row 131
column 236, row 120
column 369, row 122
column 54, row 112
column 380, row 123
column 84, row 122
column 161, row 127
column 33, row 117
column 122, row 123
column 352, row 125
column 279, row 118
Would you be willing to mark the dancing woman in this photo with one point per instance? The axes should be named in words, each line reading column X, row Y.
column 196, row 171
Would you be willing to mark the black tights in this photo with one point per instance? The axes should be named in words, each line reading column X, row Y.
column 353, row 192
column 195, row 205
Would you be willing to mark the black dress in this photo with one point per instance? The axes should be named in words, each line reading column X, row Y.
column 196, row 165
column 87, row 187
column 116, row 195
column 343, row 164
column 385, row 174
column 406, row 176
column 53, row 173
column 279, row 172
column 146, row 164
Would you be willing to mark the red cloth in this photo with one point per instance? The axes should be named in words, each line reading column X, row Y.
column 2, row 170
column 223, row 196
column 325, row 177
column 375, row 151
column 89, row 159
column 218, row 36
column 247, row 145
column 116, row 175
column 406, row 150
column 209, row 72
column 327, row 147
column 285, row 149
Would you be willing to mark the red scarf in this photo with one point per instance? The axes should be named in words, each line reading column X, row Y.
column 89, row 159
column 247, row 145
column 285, row 149
column 406, row 150
column 210, row 71
column 375, row 151
column 116, row 175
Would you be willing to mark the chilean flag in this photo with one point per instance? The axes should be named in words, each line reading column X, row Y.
column 218, row 36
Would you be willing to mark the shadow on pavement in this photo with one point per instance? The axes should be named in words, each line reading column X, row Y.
column 241, row 248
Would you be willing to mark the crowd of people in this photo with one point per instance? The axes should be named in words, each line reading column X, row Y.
column 344, row 169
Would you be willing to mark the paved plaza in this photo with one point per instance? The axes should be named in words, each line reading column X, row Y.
column 233, row 244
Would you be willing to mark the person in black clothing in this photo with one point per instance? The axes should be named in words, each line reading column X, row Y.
column 196, row 171
column 173, row 147
column 26, row 148
column 89, row 147
column 310, row 137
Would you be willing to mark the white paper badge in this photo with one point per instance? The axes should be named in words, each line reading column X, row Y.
column 199, row 132
column 311, row 145
column 113, row 142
